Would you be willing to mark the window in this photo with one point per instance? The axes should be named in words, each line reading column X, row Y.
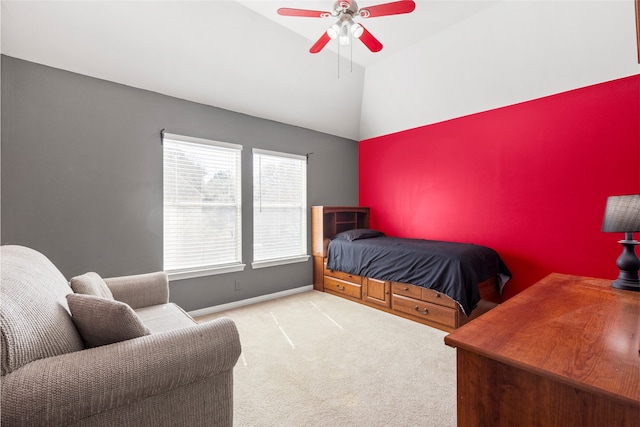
column 279, row 208
column 202, row 207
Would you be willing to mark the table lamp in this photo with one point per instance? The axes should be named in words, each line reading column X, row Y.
column 622, row 215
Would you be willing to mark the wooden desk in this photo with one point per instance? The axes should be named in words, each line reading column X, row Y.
column 564, row 352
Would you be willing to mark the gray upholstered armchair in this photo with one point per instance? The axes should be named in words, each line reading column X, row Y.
column 174, row 373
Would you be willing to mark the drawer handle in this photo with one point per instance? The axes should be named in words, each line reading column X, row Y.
column 406, row 289
column 340, row 288
column 437, row 294
column 425, row 311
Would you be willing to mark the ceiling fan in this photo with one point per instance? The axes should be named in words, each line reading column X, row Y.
column 345, row 26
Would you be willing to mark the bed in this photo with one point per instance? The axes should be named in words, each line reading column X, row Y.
column 453, row 269
column 443, row 284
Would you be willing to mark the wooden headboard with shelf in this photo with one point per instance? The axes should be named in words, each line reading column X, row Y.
column 327, row 221
column 330, row 220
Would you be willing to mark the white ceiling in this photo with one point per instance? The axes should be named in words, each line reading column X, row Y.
column 235, row 54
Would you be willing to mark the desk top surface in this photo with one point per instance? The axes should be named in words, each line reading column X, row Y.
column 574, row 329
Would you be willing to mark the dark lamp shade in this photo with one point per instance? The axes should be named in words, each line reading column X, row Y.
column 622, row 214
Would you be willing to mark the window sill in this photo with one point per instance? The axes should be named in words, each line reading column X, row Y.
column 280, row 261
column 190, row 274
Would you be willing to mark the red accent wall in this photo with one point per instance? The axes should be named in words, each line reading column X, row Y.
column 529, row 180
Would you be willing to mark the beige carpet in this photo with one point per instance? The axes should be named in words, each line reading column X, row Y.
column 313, row 359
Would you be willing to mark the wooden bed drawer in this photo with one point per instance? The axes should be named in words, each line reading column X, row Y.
column 376, row 292
column 425, row 310
column 342, row 287
column 437, row 298
column 342, row 275
column 406, row 290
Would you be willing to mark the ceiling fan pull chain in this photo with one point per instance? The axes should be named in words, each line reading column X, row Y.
column 338, row 59
column 350, row 52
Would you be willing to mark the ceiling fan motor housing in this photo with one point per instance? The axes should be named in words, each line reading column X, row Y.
column 346, row 7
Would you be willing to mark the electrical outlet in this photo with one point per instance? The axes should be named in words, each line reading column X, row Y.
column 237, row 285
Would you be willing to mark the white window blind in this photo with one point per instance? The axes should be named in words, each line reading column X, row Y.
column 202, row 206
column 279, row 208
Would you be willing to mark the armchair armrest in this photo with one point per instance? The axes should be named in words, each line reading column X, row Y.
column 141, row 290
column 67, row 388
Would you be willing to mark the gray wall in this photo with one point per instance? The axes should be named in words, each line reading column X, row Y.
column 82, row 176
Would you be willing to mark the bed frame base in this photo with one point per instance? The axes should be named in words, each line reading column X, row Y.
column 405, row 300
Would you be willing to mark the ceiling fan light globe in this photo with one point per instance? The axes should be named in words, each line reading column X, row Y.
column 357, row 30
column 333, row 31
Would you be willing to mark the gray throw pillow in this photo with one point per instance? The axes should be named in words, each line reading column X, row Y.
column 102, row 321
column 358, row 234
column 91, row 284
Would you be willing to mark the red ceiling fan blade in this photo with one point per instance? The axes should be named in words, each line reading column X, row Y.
column 287, row 11
column 321, row 43
column 369, row 41
column 394, row 8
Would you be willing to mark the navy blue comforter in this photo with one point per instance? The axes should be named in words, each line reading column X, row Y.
column 454, row 269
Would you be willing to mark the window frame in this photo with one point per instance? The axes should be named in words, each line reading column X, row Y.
column 212, row 269
column 303, row 257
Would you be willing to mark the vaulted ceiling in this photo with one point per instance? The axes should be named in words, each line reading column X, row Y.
column 446, row 59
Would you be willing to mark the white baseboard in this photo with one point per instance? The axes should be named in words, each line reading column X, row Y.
column 236, row 304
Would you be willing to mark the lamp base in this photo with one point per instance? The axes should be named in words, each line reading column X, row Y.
column 628, row 263
column 627, row 285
